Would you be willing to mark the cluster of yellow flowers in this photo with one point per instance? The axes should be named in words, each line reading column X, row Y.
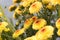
column 3, row 26
column 34, row 6
column 58, row 26
column 27, row 24
column 44, row 32
column 18, row 32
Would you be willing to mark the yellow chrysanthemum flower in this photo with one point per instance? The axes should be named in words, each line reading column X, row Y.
column 12, row 7
column 34, row 18
column 26, row 3
column 3, row 26
column 38, row 24
column 58, row 32
column 27, row 23
column 58, row 23
column 18, row 32
column 34, row 38
column 31, row 38
column 45, row 32
column 6, row 29
column 45, row 1
column 35, row 7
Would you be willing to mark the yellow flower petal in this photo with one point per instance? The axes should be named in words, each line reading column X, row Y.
column 26, row 4
column 58, row 32
column 59, row 2
column 39, row 23
column 35, row 7
column 3, row 25
column 42, row 39
column 34, row 18
column 18, row 32
column 6, row 29
column 45, row 32
column 34, row 38
column 31, row 38
column 27, row 23
column 58, row 23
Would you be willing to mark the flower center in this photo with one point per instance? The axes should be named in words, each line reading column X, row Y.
column 17, row 31
column 37, row 21
column 34, row 19
column 42, row 30
column 59, row 21
column 33, row 5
